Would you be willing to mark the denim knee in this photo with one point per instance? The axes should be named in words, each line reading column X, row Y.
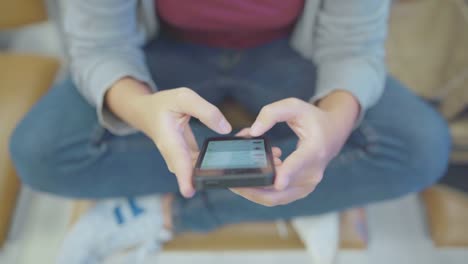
column 428, row 148
column 30, row 148
column 35, row 143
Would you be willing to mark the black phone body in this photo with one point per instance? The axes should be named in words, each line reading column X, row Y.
column 226, row 162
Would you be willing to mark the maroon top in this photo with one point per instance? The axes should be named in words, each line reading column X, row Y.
column 229, row 23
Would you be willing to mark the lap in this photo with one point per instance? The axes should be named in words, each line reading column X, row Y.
column 263, row 75
column 174, row 64
column 66, row 129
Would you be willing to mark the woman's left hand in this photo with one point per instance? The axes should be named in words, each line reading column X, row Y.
column 300, row 173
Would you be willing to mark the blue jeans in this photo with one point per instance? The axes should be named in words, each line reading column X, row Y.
column 402, row 145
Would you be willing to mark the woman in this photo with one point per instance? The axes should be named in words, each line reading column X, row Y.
column 146, row 67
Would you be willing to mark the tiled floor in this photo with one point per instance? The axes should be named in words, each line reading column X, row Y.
column 397, row 235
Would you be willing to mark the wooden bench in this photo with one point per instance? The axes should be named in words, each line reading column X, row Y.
column 447, row 215
column 23, row 79
column 427, row 49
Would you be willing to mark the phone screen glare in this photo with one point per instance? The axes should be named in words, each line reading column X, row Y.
column 235, row 154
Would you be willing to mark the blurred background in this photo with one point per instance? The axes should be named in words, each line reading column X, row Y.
column 427, row 50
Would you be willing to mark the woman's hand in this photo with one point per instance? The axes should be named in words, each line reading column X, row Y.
column 164, row 117
column 322, row 132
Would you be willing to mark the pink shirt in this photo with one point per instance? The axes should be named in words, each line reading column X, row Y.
column 229, row 23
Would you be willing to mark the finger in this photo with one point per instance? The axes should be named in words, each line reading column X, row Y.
column 190, row 138
column 276, row 151
column 195, row 158
column 290, row 168
column 177, row 155
column 280, row 111
column 245, row 132
column 189, row 102
column 277, row 161
column 271, row 197
column 191, row 142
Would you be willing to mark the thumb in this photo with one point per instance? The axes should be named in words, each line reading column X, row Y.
column 280, row 111
column 190, row 103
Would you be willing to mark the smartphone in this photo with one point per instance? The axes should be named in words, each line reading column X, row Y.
column 226, row 162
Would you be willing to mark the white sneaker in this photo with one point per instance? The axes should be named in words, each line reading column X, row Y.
column 113, row 226
column 320, row 235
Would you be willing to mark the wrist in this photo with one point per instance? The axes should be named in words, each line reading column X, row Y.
column 123, row 97
column 342, row 110
column 123, row 90
column 342, row 107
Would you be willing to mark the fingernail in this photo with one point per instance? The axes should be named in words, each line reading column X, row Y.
column 224, row 125
column 188, row 193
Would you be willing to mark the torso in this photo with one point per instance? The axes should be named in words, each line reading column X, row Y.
column 228, row 23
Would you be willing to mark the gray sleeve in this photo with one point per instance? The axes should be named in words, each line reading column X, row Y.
column 350, row 49
column 104, row 41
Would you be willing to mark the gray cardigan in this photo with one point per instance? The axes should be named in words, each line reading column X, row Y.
column 344, row 38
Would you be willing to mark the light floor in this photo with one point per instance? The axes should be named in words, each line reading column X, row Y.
column 397, row 235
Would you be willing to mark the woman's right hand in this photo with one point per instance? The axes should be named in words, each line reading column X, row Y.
column 164, row 117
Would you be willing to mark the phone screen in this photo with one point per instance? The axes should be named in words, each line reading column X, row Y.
column 235, row 154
